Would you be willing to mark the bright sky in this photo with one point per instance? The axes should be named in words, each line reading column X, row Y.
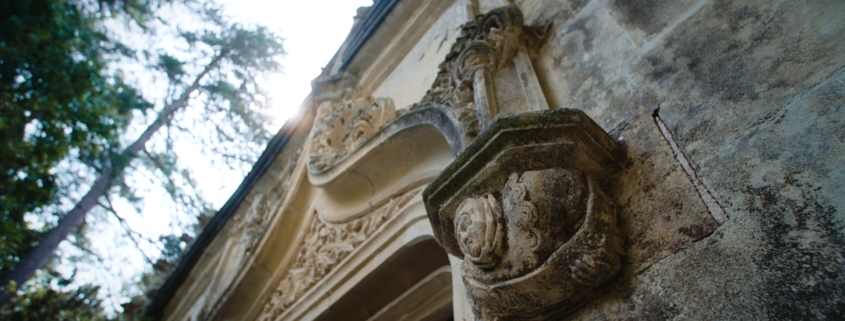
column 313, row 30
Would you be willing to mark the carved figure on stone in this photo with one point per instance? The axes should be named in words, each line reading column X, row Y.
column 345, row 124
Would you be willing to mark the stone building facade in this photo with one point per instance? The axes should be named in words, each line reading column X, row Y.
column 547, row 160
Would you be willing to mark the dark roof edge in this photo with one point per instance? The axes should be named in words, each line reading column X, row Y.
column 374, row 18
column 175, row 280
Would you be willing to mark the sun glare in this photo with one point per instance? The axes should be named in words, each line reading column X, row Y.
column 313, row 31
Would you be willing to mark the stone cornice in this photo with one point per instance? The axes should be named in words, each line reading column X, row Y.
column 196, row 251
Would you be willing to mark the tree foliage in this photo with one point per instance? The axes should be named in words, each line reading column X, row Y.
column 49, row 298
column 54, row 97
column 71, row 121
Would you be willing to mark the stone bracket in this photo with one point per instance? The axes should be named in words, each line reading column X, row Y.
column 524, row 206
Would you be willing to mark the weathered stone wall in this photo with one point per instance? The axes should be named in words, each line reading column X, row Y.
column 750, row 95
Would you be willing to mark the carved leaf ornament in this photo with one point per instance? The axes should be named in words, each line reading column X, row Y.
column 344, row 125
column 514, row 283
column 253, row 223
column 537, row 232
column 326, row 245
column 485, row 45
column 464, row 90
column 524, row 206
column 247, row 230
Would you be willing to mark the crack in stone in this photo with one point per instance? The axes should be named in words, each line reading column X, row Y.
column 712, row 205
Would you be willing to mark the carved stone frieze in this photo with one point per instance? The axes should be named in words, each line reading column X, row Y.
column 467, row 81
column 247, row 230
column 325, row 245
column 253, row 223
column 344, row 124
column 524, row 206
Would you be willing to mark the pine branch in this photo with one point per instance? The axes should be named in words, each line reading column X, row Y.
column 45, row 249
column 129, row 231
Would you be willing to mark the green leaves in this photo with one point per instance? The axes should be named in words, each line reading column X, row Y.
column 139, row 11
column 57, row 101
column 65, row 105
column 171, row 66
column 54, row 98
column 43, row 301
column 254, row 48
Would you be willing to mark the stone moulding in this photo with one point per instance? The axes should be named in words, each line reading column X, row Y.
column 432, row 116
column 326, row 245
column 245, row 233
column 524, row 206
column 345, row 125
column 252, row 224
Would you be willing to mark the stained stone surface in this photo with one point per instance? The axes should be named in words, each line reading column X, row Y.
column 585, row 64
column 734, row 65
column 660, row 211
column 645, row 19
column 752, row 92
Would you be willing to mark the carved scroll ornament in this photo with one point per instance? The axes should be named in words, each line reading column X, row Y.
column 325, row 245
column 344, row 124
column 465, row 82
column 524, row 207
column 561, row 237
column 487, row 72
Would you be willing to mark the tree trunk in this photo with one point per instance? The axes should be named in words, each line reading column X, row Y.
column 48, row 244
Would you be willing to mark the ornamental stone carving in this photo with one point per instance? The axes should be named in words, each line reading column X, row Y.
column 488, row 71
column 524, row 206
column 325, row 245
column 479, row 230
column 344, row 124
column 253, row 223
column 247, row 230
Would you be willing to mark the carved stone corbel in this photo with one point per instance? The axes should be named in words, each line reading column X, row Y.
column 524, row 206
